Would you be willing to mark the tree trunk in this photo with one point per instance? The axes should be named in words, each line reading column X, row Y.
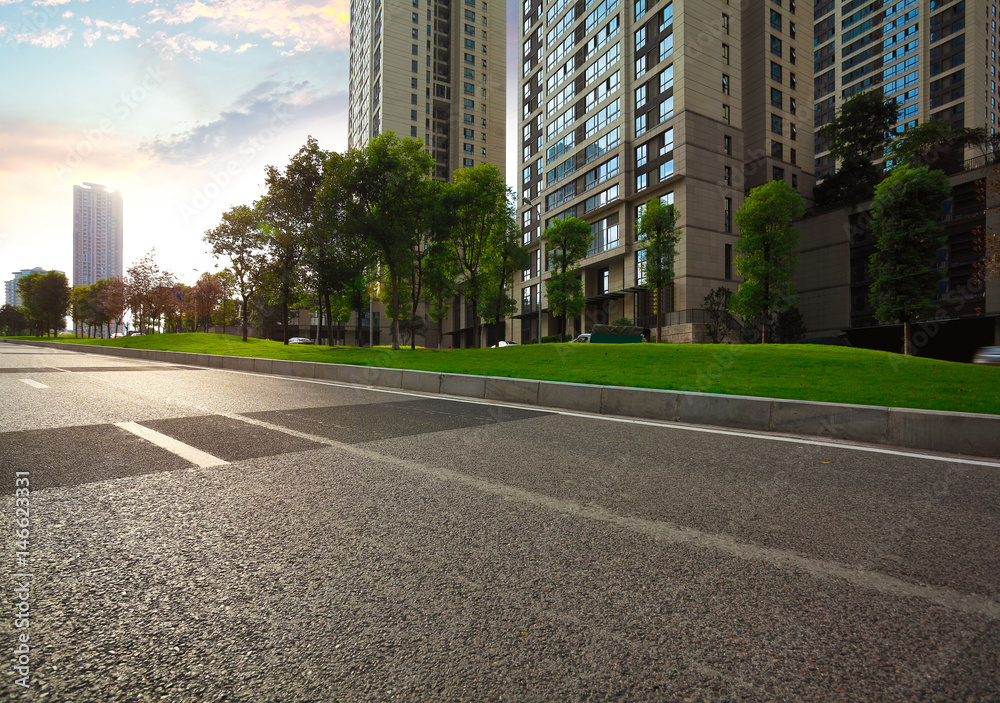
column 658, row 307
column 329, row 319
column 243, row 317
column 395, row 314
column 476, row 337
column 907, row 344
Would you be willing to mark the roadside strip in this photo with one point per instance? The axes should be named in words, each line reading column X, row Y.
column 959, row 433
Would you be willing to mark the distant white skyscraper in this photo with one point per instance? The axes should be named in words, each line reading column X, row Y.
column 97, row 233
column 11, row 295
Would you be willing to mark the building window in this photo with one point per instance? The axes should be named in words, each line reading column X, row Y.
column 792, row 156
column 640, row 97
column 776, row 71
column 413, row 132
column 791, row 80
column 776, row 46
column 777, row 174
column 641, row 181
column 725, row 53
column 791, row 105
column 725, row 22
column 775, row 20
column 776, row 126
column 640, row 155
column 667, row 78
column 668, row 142
column 728, row 215
column 666, row 169
column 795, row 181
column 640, row 125
column 603, row 281
column 413, row 66
column 792, row 131
column 666, row 47
column 725, row 84
column 413, row 115
column 727, row 175
column 640, row 66
column 640, row 38
column 776, row 98
column 640, row 8
column 413, row 50
column 467, row 163
column 729, row 262
column 727, row 144
column 667, row 109
column 791, row 55
column 725, row 113
column 777, row 151
column 791, row 29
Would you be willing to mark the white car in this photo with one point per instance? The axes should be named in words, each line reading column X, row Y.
column 581, row 338
column 503, row 344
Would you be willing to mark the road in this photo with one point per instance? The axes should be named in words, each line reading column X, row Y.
column 203, row 535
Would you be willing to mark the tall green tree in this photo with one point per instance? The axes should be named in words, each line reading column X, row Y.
column 483, row 216
column 765, row 252
column 906, row 206
column 288, row 211
column 659, row 235
column 858, row 138
column 240, row 239
column 566, row 243
column 47, row 298
column 386, row 200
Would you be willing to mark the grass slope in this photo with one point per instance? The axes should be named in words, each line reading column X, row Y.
column 803, row 372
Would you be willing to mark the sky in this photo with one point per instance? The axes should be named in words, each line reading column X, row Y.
column 178, row 105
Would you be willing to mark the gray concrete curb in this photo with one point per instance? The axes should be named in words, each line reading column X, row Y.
column 961, row 433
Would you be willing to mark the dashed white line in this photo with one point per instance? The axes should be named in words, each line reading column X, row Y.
column 185, row 451
column 33, row 383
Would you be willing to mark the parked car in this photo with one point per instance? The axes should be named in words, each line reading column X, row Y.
column 503, row 344
column 581, row 338
column 987, row 355
column 300, row 340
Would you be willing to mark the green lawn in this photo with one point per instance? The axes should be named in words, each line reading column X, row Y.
column 806, row 372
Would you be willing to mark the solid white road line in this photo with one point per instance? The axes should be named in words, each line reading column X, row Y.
column 33, row 384
column 185, row 451
column 665, row 424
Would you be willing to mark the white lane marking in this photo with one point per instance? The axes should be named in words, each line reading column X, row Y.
column 185, row 451
column 670, row 533
column 648, row 423
column 33, row 383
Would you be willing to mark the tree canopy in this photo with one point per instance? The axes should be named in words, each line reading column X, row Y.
column 566, row 243
column 765, row 255
column 659, row 235
column 907, row 203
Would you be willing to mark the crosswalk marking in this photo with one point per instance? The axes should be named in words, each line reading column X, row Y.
column 33, row 383
column 185, row 451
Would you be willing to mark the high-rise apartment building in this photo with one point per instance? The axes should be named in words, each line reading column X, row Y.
column 692, row 102
column 937, row 58
column 432, row 70
column 11, row 294
column 97, row 234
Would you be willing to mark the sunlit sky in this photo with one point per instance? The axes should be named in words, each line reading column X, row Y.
column 179, row 105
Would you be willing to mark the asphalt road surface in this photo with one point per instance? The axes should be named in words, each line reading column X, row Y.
column 202, row 535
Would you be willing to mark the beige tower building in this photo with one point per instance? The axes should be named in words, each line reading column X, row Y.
column 97, row 234
column 627, row 101
column 431, row 70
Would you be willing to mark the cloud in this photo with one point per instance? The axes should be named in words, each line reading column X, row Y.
column 50, row 3
column 258, row 115
column 44, row 37
column 118, row 30
column 300, row 25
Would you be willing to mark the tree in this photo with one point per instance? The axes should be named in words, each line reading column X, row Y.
column 659, row 233
column 146, row 291
column 906, row 206
column 46, row 298
column 12, row 319
column 240, row 238
column 935, row 144
column 566, row 242
column 112, row 298
column 386, row 199
column 790, row 326
column 858, row 138
column 203, row 298
column 765, row 252
column 716, row 306
column 483, row 215
column 288, row 211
